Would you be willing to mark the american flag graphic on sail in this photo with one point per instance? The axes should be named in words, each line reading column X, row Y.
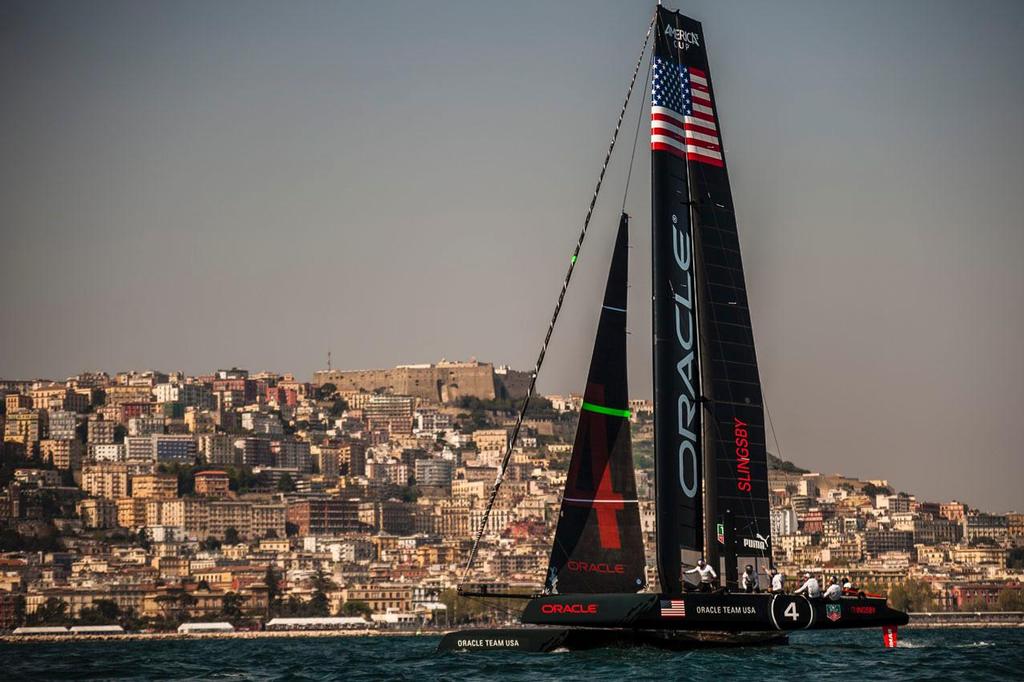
column 682, row 114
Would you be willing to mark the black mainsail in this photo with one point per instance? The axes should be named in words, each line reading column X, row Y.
column 691, row 188
column 678, row 466
column 598, row 545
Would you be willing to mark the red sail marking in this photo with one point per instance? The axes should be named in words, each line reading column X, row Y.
column 604, row 500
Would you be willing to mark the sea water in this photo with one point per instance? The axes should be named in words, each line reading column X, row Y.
column 946, row 654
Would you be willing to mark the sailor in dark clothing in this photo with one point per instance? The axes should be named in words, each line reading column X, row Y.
column 748, row 581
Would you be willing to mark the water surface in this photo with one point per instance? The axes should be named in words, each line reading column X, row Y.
column 962, row 654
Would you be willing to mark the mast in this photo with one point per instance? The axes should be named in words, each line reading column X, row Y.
column 732, row 444
column 678, row 466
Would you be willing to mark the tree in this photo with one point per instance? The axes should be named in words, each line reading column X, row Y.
column 102, row 612
column 285, row 484
column 175, row 606
column 231, row 607
column 272, row 579
column 974, row 604
column 356, row 608
column 231, row 536
column 326, row 391
column 52, row 612
column 912, row 595
column 1010, row 599
column 337, row 408
column 320, row 603
column 143, row 539
column 210, row 544
column 19, row 610
column 203, row 585
column 870, row 489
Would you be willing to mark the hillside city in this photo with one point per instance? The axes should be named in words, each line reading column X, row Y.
column 153, row 499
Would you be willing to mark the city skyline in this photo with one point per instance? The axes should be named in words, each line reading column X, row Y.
column 194, row 187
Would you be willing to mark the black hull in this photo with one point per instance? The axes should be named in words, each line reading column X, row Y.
column 548, row 639
column 698, row 611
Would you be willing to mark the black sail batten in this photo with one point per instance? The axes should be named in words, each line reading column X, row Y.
column 678, row 464
column 598, row 544
column 736, row 471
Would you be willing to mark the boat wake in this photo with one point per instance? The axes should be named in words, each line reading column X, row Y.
column 907, row 644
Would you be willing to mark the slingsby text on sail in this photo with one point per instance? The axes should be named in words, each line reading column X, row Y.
column 687, row 401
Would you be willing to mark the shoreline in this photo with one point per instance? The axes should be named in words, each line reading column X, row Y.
column 277, row 634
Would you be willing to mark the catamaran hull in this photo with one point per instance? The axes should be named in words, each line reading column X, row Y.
column 548, row 639
column 710, row 611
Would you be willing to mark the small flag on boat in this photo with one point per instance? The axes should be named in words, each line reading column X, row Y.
column 682, row 115
column 673, row 608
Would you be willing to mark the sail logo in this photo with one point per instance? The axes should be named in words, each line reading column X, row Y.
column 741, row 435
column 686, row 402
column 683, row 40
column 588, row 567
column 574, row 609
column 755, row 544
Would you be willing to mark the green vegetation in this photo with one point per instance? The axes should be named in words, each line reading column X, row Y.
column 285, row 484
column 232, row 608
column 356, row 608
column 870, row 489
column 240, row 479
column 912, row 595
column 779, row 464
column 1010, row 599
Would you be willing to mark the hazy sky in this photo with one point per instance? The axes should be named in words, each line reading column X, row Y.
column 192, row 185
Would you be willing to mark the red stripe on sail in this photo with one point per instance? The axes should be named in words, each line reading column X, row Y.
column 704, row 159
column 662, row 147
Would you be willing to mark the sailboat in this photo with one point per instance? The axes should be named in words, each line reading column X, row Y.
column 711, row 469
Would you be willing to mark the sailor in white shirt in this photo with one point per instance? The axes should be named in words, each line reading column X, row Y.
column 810, row 586
column 707, row 575
column 834, row 591
column 777, row 579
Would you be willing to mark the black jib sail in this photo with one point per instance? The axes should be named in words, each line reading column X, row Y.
column 685, row 127
column 598, row 545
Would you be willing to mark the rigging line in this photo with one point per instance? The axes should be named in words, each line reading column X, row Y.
column 636, row 135
column 554, row 317
column 771, row 424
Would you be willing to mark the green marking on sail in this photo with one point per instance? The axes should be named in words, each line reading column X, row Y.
column 574, row 258
column 612, row 411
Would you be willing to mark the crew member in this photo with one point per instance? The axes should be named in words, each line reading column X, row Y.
column 707, row 575
column 834, row 591
column 748, row 581
column 778, row 581
column 811, row 587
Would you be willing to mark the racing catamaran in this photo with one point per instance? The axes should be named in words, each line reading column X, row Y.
column 711, row 469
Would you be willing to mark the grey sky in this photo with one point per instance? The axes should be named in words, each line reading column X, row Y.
column 194, row 185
